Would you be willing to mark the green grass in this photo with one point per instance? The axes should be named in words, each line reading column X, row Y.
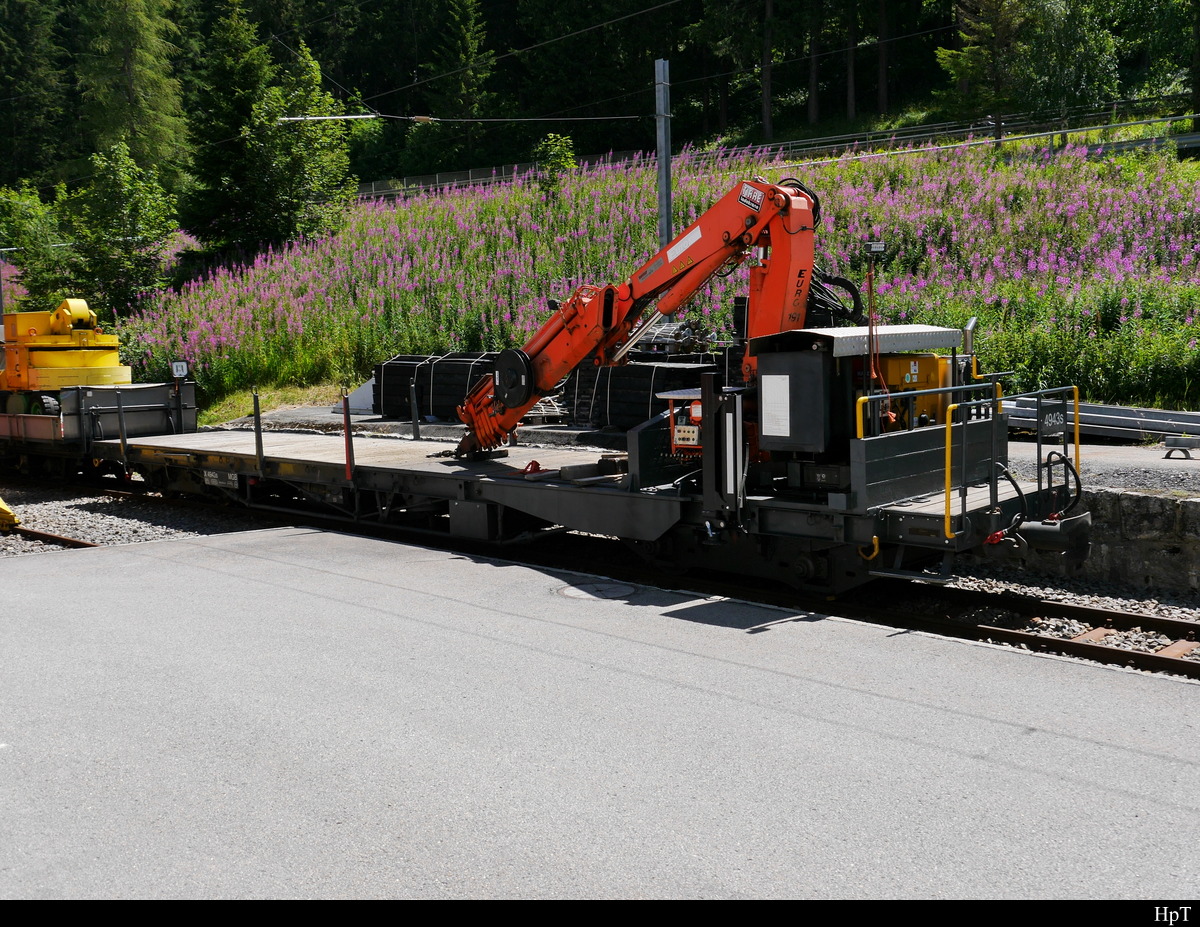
column 1080, row 269
column 240, row 403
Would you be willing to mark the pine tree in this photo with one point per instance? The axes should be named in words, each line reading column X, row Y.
column 238, row 76
column 746, row 37
column 461, row 66
column 301, row 168
column 32, row 91
column 125, row 77
column 1195, row 67
column 195, row 21
column 1034, row 54
column 986, row 69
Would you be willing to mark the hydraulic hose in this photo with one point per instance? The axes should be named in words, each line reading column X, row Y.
column 1019, row 518
column 816, row 200
column 821, row 297
column 1051, row 459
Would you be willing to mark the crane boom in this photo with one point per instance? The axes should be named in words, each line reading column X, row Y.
column 597, row 321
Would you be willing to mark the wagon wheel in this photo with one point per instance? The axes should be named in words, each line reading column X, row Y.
column 43, row 405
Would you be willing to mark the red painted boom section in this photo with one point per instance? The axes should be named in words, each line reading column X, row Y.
column 599, row 320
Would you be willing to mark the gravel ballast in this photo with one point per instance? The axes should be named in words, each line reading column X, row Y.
column 108, row 520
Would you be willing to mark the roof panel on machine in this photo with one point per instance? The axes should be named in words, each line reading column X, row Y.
column 850, row 342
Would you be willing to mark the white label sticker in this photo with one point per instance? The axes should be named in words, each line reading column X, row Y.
column 776, row 405
column 683, row 244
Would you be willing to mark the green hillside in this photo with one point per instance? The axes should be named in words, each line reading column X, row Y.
column 1081, row 268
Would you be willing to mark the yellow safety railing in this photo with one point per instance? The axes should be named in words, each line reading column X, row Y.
column 951, row 409
column 949, row 469
column 905, row 395
column 1078, row 466
column 858, row 413
column 976, row 375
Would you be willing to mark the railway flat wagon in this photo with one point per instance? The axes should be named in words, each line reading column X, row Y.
column 686, row 492
column 63, row 387
column 841, row 450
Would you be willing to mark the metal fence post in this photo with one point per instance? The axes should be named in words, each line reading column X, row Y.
column 258, row 437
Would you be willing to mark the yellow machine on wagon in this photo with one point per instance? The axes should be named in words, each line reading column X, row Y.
column 63, row 386
column 45, row 352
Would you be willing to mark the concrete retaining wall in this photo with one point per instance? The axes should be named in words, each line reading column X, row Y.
column 1146, row 541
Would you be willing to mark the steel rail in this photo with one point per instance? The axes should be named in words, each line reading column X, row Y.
column 955, row 620
column 46, row 537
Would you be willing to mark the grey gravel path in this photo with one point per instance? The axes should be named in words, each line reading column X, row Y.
column 1123, row 467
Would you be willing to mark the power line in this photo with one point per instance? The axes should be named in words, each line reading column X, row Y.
column 819, row 55
column 504, row 119
column 325, row 76
column 320, row 19
column 492, row 59
column 642, row 90
column 753, row 70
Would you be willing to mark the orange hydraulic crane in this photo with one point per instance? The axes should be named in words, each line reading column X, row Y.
column 778, row 218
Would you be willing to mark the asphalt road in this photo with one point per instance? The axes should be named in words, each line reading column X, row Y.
column 296, row 714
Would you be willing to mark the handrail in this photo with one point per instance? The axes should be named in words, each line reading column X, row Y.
column 946, row 529
column 1078, row 466
column 951, row 409
column 912, row 394
column 993, row 377
column 858, row 414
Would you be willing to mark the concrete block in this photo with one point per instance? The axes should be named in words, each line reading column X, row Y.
column 1148, row 518
column 1189, row 519
column 1164, row 567
column 1105, row 506
column 1144, row 541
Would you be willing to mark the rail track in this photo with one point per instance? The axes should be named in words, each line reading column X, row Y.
column 1112, row 636
column 46, row 537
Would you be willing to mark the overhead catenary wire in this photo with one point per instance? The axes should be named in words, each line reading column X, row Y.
column 507, row 119
column 741, row 72
column 492, row 59
column 745, row 72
